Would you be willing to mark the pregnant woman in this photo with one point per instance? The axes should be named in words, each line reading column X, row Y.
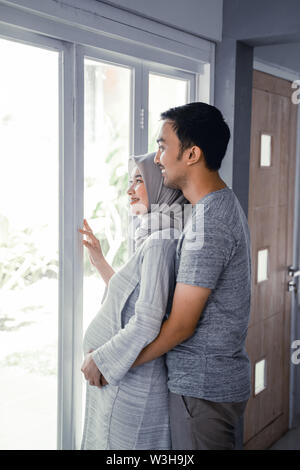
column 131, row 410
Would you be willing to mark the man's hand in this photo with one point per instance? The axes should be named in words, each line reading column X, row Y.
column 188, row 304
column 91, row 372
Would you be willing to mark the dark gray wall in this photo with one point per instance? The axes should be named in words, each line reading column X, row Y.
column 233, row 93
column 262, row 22
column 246, row 24
column 283, row 55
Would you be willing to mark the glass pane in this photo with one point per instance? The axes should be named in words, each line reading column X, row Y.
column 28, row 246
column 106, row 152
column 107, row 145
column 260, row 376
column 262, row 265
column 265, row 150
column 164, row 93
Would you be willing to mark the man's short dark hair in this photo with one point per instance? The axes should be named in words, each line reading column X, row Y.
column 203, row 125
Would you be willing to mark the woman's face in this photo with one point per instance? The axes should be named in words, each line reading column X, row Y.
column 138, row 197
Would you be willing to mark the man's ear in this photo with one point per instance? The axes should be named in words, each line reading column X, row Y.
column 195, row 155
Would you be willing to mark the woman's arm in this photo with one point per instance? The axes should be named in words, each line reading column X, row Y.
column 105, row 270
column 95, row 253
column 116, row 357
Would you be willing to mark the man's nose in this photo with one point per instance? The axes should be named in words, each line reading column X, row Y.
column 157, row 157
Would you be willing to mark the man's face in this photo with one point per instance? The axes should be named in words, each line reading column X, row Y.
column 167, row 157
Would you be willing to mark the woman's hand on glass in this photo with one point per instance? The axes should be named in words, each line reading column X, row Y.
column 92, row 243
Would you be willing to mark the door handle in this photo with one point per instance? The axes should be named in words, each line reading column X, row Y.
column 292, row 286
column 293, row 272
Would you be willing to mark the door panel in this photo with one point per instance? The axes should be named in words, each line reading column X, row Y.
column 270, row 216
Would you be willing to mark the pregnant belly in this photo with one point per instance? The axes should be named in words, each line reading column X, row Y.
column 107, row 321
column 98, row 332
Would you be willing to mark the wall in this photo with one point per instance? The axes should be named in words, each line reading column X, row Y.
column 200, row 17
column 283, row 55
column 248, row 24
column 272, row 28
column 262, row 22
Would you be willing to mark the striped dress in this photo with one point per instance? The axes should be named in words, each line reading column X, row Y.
column 131, row 412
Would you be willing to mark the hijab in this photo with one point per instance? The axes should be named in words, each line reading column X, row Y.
column 166, row 205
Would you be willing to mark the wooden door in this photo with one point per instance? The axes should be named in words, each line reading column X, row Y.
column 271, row 196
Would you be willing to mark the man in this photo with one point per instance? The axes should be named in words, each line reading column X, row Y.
column 204, row 335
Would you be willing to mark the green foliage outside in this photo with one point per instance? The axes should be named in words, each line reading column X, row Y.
column 114, row 235
column 21, row 261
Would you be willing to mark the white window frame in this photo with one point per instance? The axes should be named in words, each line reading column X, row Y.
column 157, row 69
column 70, row 259
column 193, row 61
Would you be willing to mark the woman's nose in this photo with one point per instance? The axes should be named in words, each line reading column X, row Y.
column 130, row 190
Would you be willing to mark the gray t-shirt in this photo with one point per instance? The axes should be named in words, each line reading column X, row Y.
column 214, row 251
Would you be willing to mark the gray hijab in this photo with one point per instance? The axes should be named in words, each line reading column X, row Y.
column 166, row 205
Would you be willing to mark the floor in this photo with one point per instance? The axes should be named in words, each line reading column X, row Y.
column 290, row 441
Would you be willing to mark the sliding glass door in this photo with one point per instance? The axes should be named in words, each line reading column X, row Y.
column 29, row 261
column 70, row 116
column 164, row 92
column 122, row 103
column 107, row 143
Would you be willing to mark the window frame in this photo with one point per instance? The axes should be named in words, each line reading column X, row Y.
column 74, row 44
column 69, row 255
